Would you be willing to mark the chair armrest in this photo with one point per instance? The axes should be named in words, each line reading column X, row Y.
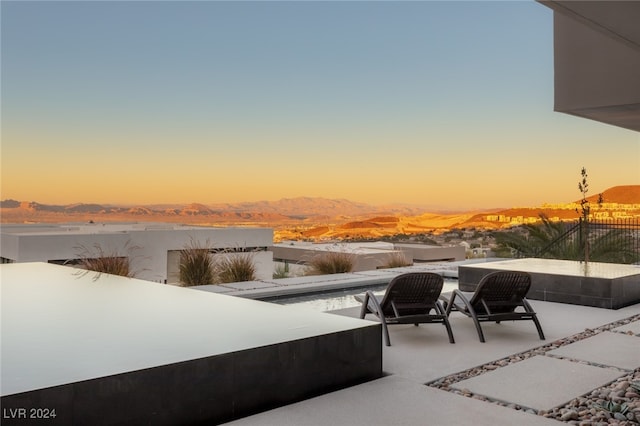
column 527, row 306
column 364, row 300
column 370, row 304
column 447, row 299
column 374, row 303
column 395, row 310
column 486, row 307
column 440, row 308
column 450, row 304
column 360, row 297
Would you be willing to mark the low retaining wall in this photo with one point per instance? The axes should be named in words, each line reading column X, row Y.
column 600, row 285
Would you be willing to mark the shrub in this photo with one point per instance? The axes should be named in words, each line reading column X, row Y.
column 196, row 265
column 332, row 262
column 281, row 271
column 397, row 259
column 114, row 265
column 97, row 259
column 235, row 267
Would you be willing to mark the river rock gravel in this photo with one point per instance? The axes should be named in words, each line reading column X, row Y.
column 615, row 404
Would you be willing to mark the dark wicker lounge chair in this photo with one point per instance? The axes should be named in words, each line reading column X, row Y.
column 410, row 298
column 496, row 298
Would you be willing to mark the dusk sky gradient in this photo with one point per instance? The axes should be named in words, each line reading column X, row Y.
column 439, row 103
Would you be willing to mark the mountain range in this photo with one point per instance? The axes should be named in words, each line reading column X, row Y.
column 286, row 208
column 307, row 217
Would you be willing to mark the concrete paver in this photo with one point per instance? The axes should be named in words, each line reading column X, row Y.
column 249, row 285
column 393, row 401
column 521, row 382
column 419, row 355
column 633, row 327
column 612, row 349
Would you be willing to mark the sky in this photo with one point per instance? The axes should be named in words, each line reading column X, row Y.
column 445, row 104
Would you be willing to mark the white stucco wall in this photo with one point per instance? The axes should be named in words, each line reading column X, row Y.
column 262, row 260
column 22, row 243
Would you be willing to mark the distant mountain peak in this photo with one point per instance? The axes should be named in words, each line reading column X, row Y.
column 621, row 194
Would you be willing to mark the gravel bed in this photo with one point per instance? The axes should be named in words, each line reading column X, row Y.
column 586, row 410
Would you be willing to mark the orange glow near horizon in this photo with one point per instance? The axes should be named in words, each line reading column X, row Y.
column 469, row 179
column 444, row 189
column 473, row 179
column 372, row 111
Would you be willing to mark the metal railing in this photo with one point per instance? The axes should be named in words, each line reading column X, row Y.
column 614, row 240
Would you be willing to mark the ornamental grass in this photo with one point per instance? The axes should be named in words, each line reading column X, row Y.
column 196, row 265
column 332, row 262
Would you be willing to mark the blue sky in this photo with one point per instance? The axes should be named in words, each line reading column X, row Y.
column 438, row 103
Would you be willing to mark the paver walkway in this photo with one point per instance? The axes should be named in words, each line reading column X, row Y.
column 541, row 382
column 420, row 355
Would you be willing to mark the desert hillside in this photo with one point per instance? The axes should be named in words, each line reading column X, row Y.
column 316, row 218
column 623, row 194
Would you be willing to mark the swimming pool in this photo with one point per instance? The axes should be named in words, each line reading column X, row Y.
column 335, row 300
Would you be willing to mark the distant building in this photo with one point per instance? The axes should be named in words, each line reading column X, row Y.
column 367, row 255
column 153, row 248
column 481, row 252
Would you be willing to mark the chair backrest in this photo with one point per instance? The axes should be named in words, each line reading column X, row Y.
column 412, row 293
column 501, row 291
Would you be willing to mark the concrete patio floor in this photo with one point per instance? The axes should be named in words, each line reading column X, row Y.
column 420, row 355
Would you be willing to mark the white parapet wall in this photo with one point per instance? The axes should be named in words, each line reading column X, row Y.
column 428, row 253
column 262, row 260
column 168, row 355
column 148, row 245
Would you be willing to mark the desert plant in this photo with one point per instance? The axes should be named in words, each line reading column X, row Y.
column 196, row 264
column 541, row 240
column 281, row 271
column 100, row 260
column 332, row 262
column 235, row 267
column 397, row 259
column 115, row 265
column 585, row 214
column 535, row 237
column 618, row 411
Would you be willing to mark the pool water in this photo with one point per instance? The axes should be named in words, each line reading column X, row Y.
column 343, row 299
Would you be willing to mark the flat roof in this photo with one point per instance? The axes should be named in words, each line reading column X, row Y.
column 563, row 267
column 59, row 327
column 105, row 228
column 372, row 247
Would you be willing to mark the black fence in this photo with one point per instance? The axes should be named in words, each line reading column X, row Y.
column 602, row 240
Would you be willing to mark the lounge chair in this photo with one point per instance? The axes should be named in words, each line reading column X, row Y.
column 409, row 299
column 496, row 298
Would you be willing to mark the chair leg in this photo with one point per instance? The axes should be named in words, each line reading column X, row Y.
column 479, row 330
column 474, row 317
column 449, row 331
column 534, row 317
column 445, row 321
column 385, row 332
column 539, row 327
column 365, row 303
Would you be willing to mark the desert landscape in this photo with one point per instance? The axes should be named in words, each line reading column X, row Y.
column 318, row 219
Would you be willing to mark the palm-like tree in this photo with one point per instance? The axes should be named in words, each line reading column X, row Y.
column 532, row 239
column 559, row 240
column 613, row 246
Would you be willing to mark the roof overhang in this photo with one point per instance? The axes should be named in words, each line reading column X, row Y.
column 597, row 60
